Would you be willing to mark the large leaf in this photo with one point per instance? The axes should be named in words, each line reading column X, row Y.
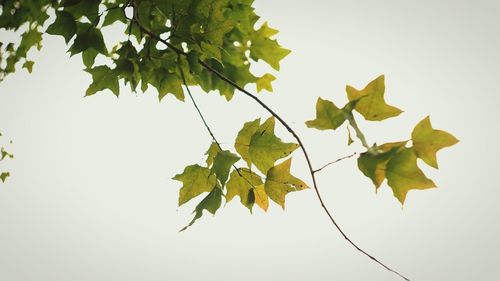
column 103, row 78
column 279, row 182
column 428, row 141
column 370, row 101
column 195, row 180
column 211, row 203
column 328, row 116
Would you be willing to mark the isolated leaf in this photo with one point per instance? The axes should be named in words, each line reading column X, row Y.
column 428, row 141
column 261, row 198
column 242, row 143
column 403, row 174
column 103, row 78
column 370, row 101
column 279, row 182
column 264, row 82
column 29, row 65
column 242, row 184
column 4, row 154
column 211, row 203
column 4, row 176
column 328, row 116
column 373, row 165
column 211, row 153
column 265, row 147
column 222, row 165
column 195, row 180
column 64, row 25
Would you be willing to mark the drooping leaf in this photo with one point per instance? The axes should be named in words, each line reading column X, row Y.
column 403, row 174
column 428, row 141
column 264, row 82
column 370, row 101
column 261, row 198
column 328, row 116
column 242, row 183
column 195, row 180
column 211, row 153
column 103, row 78
column 266, row 148
column 222, row 165
column 279, row 182
column 211, row 203
column 242, row 143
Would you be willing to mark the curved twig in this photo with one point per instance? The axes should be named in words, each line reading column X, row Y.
column 336, row 161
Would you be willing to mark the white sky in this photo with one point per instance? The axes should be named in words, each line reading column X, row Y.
column 90, row 197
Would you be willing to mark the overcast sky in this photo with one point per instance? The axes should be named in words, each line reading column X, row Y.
column 91, row 195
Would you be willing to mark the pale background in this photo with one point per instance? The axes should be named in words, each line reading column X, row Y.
column 90, row 197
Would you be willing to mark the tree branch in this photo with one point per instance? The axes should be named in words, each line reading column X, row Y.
column 289, row 129
column 333, row 162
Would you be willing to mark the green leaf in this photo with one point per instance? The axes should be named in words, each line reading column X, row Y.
column 242, row 143
column 373, row 165
column 349, row 137
column 222, row 165
column 64, row 25
column 171, row 84
column 261, row 198
column 370, row 101
column 242, row 184
column 4, row 176
column 103, row 78
column 265, row 147
column 211, row 153
column 195, row 180
column 4, row 154
column 88, row 37
column 211, row 203
column 29, row 65
column 279, row 182
column 114, row 15
column 267, row 49
column 428, row 141
column 403, row 174
column 328, row 116
column 264, row 82
column 88, row 57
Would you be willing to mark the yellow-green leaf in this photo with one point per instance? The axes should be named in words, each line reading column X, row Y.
column 403, row 174
column 222, row 164
column 428, row 141
column 370, row 101
column 328, row 116
column 242, row 143
column 211, row 203
column 211, row 153
column 196, row 180
column 242, row 184
column 261, row 198
column 4, row 176
column 279, row 182
column 264, row 82
column 265, row 147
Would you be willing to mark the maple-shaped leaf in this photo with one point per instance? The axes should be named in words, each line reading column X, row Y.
column 64, row 25
column 264, row 82
column 370, row 101
column 171, row 84
column 266, row 148
column 88, row 37
column 4, row 153
column 28, row 65
column 242, row 183
column 328, row 116
column 279, row 182
column 4, row 176
column 211, row 153
column 261, row 198
column 403, row 174
column 267, row 49
column 242, row 143
column 428, row 141
column 222, row 164
column 211, row 203
column 195, row 180
column 373, row 165
column 103, row 78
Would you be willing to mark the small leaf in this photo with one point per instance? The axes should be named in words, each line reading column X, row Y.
column 403, row 174
column 328, row 116
column 211, row 203
column 264, row 82
column 196, row 180
column 114, row 15
column 103, row 78
column 265, row 147
column 428, row 141
column 370, row 101
column 279, row 182
column 212, row 152
column 222, row 165
column 4, row 176
column 29, row 65
column 242, row 143
column 349, row 137
column 242, row 184
column 261, row 198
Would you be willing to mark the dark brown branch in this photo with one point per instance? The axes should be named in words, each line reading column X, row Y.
column 290, row 130
column 336, row 161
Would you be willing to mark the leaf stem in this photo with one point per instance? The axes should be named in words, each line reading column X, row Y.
column 359, row 134
column 336, row 161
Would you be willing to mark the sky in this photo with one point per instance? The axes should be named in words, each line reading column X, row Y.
column 91, row 195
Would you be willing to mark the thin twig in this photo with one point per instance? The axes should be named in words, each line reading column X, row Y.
column 290, row 130
column 336, row 161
